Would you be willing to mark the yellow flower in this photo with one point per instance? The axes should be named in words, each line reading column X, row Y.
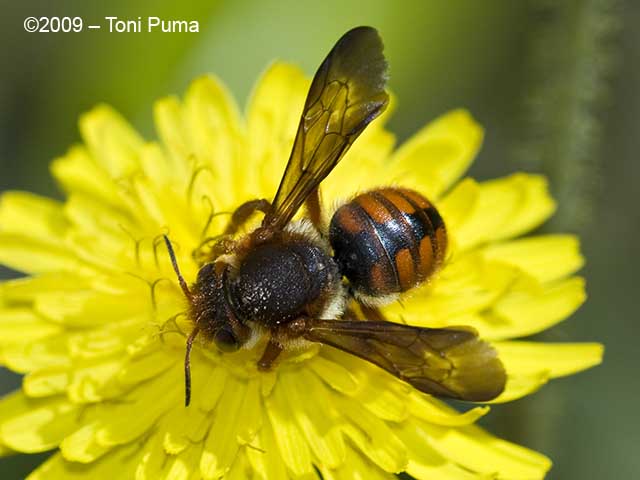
column 95, row 326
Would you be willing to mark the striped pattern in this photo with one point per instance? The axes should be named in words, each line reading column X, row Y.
column 388, row 240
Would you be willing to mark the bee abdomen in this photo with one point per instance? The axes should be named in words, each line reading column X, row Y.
column 387, row 241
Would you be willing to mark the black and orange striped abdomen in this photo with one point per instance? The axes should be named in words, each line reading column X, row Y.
column 387, row 241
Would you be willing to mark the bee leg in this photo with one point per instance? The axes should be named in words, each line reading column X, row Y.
column 372, row 314
column 244, row 211
column 212, row 247
column 314, row 212
column 271, row 352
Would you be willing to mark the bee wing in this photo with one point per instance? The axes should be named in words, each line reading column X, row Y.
column 346, row 94
column 447, row 362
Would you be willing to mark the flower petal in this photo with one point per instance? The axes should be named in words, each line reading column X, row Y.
column 185, row 427
column 32, row 256
column 35, row 425
column 123, row 422
column 466, row 285
column 265, row 457
column 273, row 115
column 334, row 374
column 22, row 325
column 439, row 154
column 82, row 446
column 32, row 216
column 523, row 312
column 426, row 463
column 78, row 172
column 316, row 418
column 435, row 411
column 358, row 467
column 558, row 359
column 48, row 352
column 290, row 440
column 474, row 449
column 173, row 131
column 221, row 445
column 120, row 463
column 373, row 437
column 111, row 141
column 505, row 208
column 546, row 257
column 213, row 128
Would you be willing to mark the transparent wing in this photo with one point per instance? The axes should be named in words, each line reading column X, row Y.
column 346, row 94
column 447, row 362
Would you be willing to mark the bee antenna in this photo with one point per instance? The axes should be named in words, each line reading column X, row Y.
column 174, row 262
column 187, row 367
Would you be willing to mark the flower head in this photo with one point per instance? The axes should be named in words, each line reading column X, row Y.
column 97, row 327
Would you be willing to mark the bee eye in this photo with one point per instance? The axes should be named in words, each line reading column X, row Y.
column 226, row 340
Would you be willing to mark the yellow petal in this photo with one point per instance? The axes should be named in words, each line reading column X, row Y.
column 25, row 289
column 525, row 312
column 32, row 256
column 153, row 459
column 505, row 208
column 180, row 467
column 251, row 409
column 521, row 385
column 334, row 374
column 120, row 463
column 318, row 422
column 78, row 172
column 185, row 427
column 380, row 393
column 264, row 456
column 426, row 463
column 434, row 411
column 546, row 258
column 373, row 437
column 48, row 352
column 457, row 205
column 474, row 449
column 213, row 128
column 466, row 285
column 32, row 216
column 111, row 141
column 173, row 131
column 273, row 115
column 81, row 446
column 22, row 325
column 35, row 426
column 89, row 308
column 438, row 155
column 558, row 360
column 87, row 384
column 44, row 383
column 146, row 366
column 137, row 413
column 221, row 446
column 211, row 381
column 290, row 440
column 357, row 467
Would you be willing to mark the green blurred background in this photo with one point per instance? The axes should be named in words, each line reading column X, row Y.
column 553, row 82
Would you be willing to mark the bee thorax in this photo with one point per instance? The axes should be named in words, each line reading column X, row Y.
column 278, row 282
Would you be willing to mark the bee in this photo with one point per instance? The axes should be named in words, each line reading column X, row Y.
column 293, row 281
